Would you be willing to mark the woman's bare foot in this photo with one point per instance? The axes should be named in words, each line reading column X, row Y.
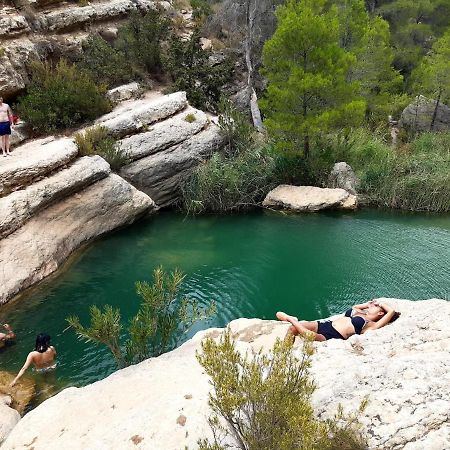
column 286, row 317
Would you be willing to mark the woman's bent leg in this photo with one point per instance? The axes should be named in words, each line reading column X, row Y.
column 301, row 327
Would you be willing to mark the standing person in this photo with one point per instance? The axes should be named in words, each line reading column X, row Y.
column 6, row 120
column 8, row 336
column 43, row 357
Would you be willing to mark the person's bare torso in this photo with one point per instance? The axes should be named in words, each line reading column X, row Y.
column 44, row 360
column 344, row 326
column 4, row 108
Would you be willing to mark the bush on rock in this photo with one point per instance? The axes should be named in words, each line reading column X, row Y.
column 61, row 97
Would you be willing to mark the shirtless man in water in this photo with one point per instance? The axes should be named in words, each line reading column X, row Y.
column 6, row 120
column 8, row 336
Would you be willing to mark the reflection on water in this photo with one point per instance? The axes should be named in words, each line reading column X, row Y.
column 251, row 265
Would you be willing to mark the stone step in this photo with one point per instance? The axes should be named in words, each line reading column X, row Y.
column 33, row 161
column 133, row 117
column 38, row 249
column 161, row 174
column 17, row 207
column 165, row 134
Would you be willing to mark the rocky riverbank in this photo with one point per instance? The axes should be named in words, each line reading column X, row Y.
column 161, row 404
column 52, row 201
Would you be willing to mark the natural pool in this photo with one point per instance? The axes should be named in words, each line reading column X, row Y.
column 252, row 265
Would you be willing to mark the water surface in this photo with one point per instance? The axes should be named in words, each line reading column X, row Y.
column 252, row 265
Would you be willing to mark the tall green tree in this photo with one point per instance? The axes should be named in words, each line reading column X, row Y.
column 379, row 83
column 432, row 77
column 307, row 71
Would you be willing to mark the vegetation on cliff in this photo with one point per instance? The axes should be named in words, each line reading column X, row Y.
column 263, row 401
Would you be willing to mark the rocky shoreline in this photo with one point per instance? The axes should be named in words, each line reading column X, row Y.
column 161, row 404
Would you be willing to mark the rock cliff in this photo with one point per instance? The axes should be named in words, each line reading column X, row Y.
column 52, row 202
column 161, row 404
column 42, row 29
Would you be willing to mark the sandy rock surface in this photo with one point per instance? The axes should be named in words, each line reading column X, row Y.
column 17, row 207
column 38, row 248
column 161, row 404
column 309, row 198
column 34, row 160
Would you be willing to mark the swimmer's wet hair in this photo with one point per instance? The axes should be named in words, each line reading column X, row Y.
column 42, row 342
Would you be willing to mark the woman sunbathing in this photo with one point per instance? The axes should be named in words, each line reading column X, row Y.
column 361, row 318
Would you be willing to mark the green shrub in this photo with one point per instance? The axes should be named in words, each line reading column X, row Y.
column 229, row 184
column 140, row 40
column 190, row 118
column 60, row 97
column 200, row 9
column 159, row 325
column 191, row 71
column 104, row 63
column 263, row 401
column 235, row 128
column 97, row 141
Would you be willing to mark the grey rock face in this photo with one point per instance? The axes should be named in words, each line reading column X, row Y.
column 33, row 161
column 38, row 248
column 161, row 175
column 125, row 92
column 309, row 198
column 403, row 369
column 19, row 206
column 343, row 177
column 418, row 115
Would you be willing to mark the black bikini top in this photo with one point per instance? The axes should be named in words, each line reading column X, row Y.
column 358, row 322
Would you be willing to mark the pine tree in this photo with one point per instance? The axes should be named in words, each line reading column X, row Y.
column 307, row 71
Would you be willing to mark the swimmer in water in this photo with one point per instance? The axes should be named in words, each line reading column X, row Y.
column 8, row 336
column 43, row 357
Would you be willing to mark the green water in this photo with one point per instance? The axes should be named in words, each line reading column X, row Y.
column 252, row 265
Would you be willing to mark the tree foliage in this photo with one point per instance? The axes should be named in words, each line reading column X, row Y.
column 263, row 401
column 61, row 97
column 159, row 325
column 307, row 71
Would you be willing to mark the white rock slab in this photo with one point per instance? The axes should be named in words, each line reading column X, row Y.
column 309, row 198
column 17, row 207
column 38, row 249
column 125, row 92
column 165, row 134
column 404, row 368
column 132, row 117
column 160, row 175
column 9, row 418
column 34, row 160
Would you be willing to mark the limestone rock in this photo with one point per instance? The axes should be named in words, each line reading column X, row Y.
column 17, row 207
column 9, row 418
column 19, row 134
column 11, row 82
column 343, row 177
column 309, row 198
column 165, row 134
column 38, row 248
column 133, row 117
column 34, row 160
column 160, row 175
column 419, row 114
column 125, row 92
column 12, row 24
column 403, row 368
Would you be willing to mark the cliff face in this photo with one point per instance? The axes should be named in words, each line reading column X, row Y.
column 52, row 201
column 43, row 29
column 161, row 404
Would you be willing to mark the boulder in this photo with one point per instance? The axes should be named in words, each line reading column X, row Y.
column 402, row 368
column 419, row 114
column 19, row 133
column 125, row 92
column 132, row 117
column 9, row 418
column 39, row 247
column 33, row 161
column 309, row 198
column 17, row 207
column 12, row 24
column 165, row 134
column 343, row 177
column 161, row 175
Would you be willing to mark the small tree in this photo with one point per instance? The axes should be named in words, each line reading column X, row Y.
column 159, row 325
column 263, row 401
column 61, row 97
column 308, row 90
column 189, row 66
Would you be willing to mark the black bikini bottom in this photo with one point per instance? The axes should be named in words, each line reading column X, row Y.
column 326, row 329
